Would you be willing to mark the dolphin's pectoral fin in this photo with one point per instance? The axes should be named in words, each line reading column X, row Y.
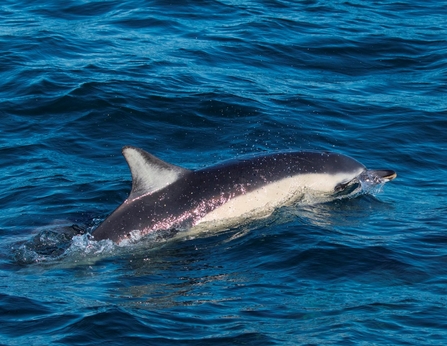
column 149, row 173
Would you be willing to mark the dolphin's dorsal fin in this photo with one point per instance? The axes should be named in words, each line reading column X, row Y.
column 149, row 173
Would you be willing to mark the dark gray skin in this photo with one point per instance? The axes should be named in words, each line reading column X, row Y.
column 181, row 204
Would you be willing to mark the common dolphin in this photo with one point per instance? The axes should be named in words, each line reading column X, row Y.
column 169, row 197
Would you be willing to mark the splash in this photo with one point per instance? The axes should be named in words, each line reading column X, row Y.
column 55, row 244
column 85, row 246
column 75, row 244
column 371, row 183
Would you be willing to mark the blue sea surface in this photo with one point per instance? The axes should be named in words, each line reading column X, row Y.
column 195, row 83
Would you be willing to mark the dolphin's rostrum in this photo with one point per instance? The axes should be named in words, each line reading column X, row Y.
column 166, row 196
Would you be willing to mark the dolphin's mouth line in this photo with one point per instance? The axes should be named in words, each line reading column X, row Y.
column 377, row 176
column 385, row 174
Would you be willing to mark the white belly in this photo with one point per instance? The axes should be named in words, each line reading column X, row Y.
column 314, row 188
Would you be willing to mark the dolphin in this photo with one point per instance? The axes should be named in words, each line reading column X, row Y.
column 169, row 197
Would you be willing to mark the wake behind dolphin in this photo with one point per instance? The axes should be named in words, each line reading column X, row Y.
column 169, row 197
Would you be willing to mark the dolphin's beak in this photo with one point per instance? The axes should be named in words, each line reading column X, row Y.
column 385, row 174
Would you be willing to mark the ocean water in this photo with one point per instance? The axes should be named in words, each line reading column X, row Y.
column 197, row 82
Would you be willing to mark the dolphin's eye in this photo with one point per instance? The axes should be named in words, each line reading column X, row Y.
column 341, row 187
column 346, row 188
